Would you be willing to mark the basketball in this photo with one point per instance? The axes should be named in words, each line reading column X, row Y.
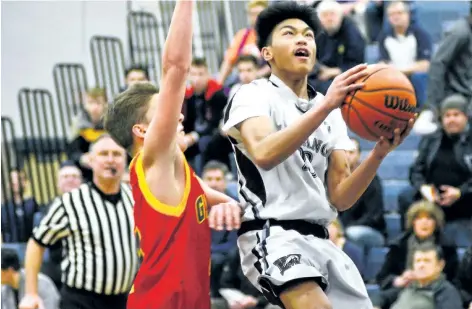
column 386, row 102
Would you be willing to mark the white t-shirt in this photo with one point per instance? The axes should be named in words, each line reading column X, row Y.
column 294, row 189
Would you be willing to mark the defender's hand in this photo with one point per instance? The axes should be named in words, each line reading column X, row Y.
column 31, row 301
column 225, row 215
column 344, row 84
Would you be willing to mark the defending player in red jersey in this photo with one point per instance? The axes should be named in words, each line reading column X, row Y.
column 171, row 214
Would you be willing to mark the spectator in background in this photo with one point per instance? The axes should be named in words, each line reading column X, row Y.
column 222, row 242
column 336, row 235
column 464, row 278
column 247, row 72
column 356, row 10
column 244, row 43
column 442, row 172
column 203, row 108
column 424, row 226
column 136, row 74
column 69, row 177
column 339, row 48
column 408, row 47
column 13, row 284
column 364, row 221
column 233, row 278
column 18, row 212
column 450, row 73
column 429, row 289
column 86, row 127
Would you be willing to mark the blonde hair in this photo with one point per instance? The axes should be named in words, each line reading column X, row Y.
column 427, row 207
column 254, row 3
column 339, row 226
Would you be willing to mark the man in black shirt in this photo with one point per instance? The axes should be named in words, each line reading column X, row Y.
column 442, row 171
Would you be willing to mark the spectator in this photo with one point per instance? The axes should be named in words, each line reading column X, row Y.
column 407, row 47
column 442, row 171
column 203, row 108
column 429, row 288
column 222, row 242
column 87, row 126
column 424, row 226
column 464, row 278
column 13, row 284
column 247, row 72
column 136, row 74
column 69, row 178
column 339, row 48
column 234, row 279
column 336, row 235
column 356, row 10
column 95, row 223
column 18, row 213
column 450, row 73
column 364, row 221
column 244, row 43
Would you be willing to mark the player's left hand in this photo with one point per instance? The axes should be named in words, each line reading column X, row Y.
column 384, row 146
column 225, row 215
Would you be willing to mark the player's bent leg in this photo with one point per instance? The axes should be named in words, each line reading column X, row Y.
column 305, row 294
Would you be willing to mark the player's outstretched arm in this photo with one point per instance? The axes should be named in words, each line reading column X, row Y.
column 176, row 59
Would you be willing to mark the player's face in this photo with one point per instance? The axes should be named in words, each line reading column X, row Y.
column 293, row 48
column 424, row 226
column 454, row 121
column 247, row 72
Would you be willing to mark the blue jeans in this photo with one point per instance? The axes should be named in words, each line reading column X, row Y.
column 458, row 233
column 365, row 236
column 420, row 83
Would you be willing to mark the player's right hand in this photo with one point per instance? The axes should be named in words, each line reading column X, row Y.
column 31, row 301
column 344, row 84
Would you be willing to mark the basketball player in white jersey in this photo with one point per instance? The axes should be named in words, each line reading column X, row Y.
column 294, row 175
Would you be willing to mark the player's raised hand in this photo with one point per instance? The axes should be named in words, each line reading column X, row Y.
column 225, row 215
column 384, row 145
column 345, row 83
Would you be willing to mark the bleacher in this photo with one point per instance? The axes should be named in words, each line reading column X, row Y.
column 42, row 147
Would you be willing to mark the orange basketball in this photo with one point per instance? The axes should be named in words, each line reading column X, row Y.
column 386, row 102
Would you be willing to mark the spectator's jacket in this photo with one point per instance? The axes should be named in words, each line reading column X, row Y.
column 368, row 210
column 451, row 65
column 83, row 133
column 345, row 49
column 46, row 291
column 17, row 220
column 421, row 170
column 464, row 278
column 203, row 118
column 395, row 261
column 233, row 278
column 440, row 294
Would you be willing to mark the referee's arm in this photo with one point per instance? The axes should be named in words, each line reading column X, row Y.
column 53, row 227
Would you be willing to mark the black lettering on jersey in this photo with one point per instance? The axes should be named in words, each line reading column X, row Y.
column 307, row 158
column 285, row 262
column 201, row 209
column 318, row 146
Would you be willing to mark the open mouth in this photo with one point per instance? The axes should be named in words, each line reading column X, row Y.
column 302, row 53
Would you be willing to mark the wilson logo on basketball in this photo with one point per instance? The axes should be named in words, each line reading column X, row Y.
column 394, row 102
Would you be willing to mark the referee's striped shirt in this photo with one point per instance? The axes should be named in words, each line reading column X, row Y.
column 97, row 233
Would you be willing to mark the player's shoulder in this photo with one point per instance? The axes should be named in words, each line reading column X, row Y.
column 256, row 87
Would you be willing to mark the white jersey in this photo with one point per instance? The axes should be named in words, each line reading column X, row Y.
column 294, row 189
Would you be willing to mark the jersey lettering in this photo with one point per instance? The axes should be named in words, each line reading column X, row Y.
column 307, row 158
column 201, row 209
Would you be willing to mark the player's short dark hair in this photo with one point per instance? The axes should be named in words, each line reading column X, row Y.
column 276, row 13
column 137, row 67
column 247, row 58
column 10, row 259
column 215, row 165
column 128, row 108
column 199, row 62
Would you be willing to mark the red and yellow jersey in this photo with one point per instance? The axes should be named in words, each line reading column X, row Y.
column 175, row 246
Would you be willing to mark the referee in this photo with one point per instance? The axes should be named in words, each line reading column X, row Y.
column 95, row 224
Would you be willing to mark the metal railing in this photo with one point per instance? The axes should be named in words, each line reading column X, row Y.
column 70, row 82
column 145, row 42
column 108, row 63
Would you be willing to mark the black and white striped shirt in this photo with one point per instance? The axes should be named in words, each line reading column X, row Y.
column 97, row 232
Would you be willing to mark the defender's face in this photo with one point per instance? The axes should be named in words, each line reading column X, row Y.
column 293, row 47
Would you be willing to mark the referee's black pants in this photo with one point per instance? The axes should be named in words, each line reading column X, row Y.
column 80, row 299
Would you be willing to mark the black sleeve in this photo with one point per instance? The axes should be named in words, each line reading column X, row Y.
column 229, row 277
column 392, row 267
column 418, row 169
column 75, row 149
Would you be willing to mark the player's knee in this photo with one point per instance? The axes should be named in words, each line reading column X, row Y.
column 305, row 295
